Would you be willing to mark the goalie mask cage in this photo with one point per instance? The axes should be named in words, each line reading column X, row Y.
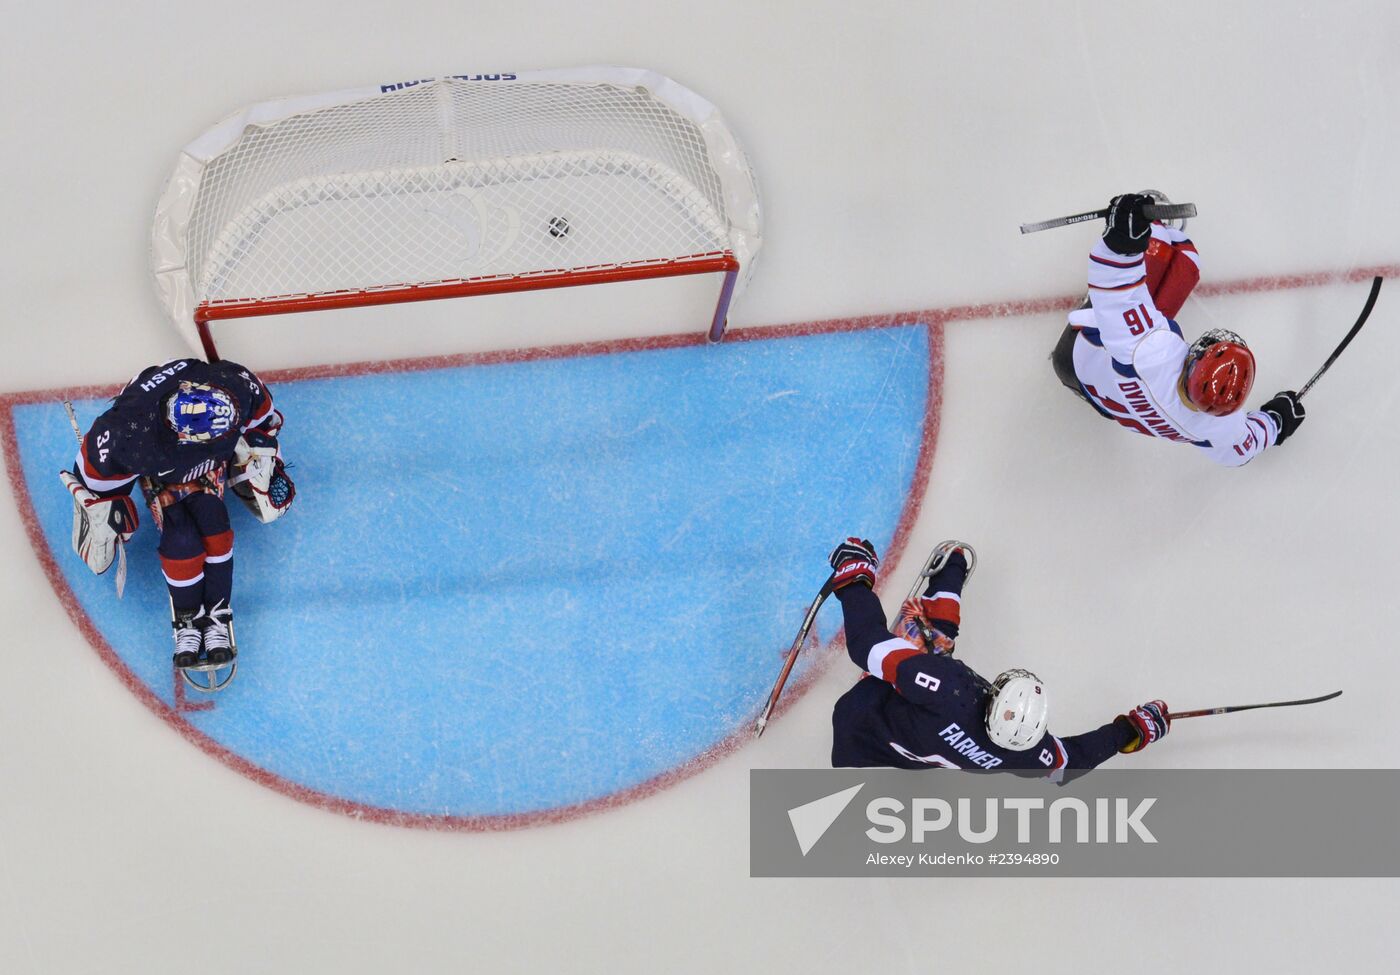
column 462, row 185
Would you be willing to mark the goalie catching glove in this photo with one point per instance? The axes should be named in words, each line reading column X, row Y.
column 99, row 524
column 260, row 479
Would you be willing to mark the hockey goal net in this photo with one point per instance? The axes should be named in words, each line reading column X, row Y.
column 462, row 185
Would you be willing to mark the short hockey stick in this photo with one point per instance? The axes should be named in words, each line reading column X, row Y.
column 792, row 653
column 1250, row 707
column 1153, row 211
column 121, row 546
column 1365, row 314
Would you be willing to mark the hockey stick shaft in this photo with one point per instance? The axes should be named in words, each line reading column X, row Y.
column 1251, row 707
column 73, row 420
column 792, row 653
column 1361, row 320
column 1153, row 211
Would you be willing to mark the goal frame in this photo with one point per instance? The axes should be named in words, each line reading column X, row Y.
column 193, row 315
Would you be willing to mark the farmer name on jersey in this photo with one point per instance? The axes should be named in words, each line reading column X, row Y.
column 963, row 743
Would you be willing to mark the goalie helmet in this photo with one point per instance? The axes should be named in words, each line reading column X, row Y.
column 1219, row 372
column 199, row 412
column 1017, row 714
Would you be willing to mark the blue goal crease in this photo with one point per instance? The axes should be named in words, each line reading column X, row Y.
column 515, row 587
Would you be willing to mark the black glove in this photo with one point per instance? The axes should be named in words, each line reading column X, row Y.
column 1147, row 722
column 1127, row 230
column 1287, row 411
column 854, row 561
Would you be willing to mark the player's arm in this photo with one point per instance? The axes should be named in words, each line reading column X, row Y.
column 264, row 420
column 98, row 466
column 1237, row 439
column 1130, row 732
column 1118, row 281
column 868, row 640
column 915, row 674
column 1089, row 750
column 104, row 516
column 1173, row 268
column 1243, row 436
column 259, row 477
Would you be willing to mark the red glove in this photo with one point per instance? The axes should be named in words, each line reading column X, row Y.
column 1148, row 722
column 854, row 561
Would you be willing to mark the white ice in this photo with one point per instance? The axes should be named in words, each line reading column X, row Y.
column 898, row 145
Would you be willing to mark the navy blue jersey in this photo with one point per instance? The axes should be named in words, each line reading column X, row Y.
column 132, row 439
column 917, row 710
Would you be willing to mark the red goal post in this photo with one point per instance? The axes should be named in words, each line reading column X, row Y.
column 449, row 187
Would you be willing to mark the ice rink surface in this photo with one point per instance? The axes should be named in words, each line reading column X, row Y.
column 898, row 146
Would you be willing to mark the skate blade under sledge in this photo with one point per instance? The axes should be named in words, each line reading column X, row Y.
column 207, row 677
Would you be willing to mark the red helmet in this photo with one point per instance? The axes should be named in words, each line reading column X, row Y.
column 1219, row 372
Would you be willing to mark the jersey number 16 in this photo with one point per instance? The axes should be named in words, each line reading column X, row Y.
column 1138, row 319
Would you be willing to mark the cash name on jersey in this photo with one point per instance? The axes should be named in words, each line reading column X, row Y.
column 161, row 376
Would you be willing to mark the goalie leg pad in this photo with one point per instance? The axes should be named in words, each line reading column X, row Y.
column 99, row 524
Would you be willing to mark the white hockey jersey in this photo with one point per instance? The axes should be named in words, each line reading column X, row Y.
column 1128, row 357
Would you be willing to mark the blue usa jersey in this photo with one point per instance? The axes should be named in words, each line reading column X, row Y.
column 916, row 710
column 132, row 439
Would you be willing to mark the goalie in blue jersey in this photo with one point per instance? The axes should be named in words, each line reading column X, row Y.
column 185, row 430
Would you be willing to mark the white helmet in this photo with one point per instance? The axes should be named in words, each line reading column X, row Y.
column 1016, row 716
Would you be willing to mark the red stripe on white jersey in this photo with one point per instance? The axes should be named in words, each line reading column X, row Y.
column 1121, row 287
column 1104, row 401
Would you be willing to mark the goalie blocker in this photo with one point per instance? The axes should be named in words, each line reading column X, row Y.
column 99, row 524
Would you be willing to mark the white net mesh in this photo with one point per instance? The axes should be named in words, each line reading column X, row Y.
column 448, row 181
